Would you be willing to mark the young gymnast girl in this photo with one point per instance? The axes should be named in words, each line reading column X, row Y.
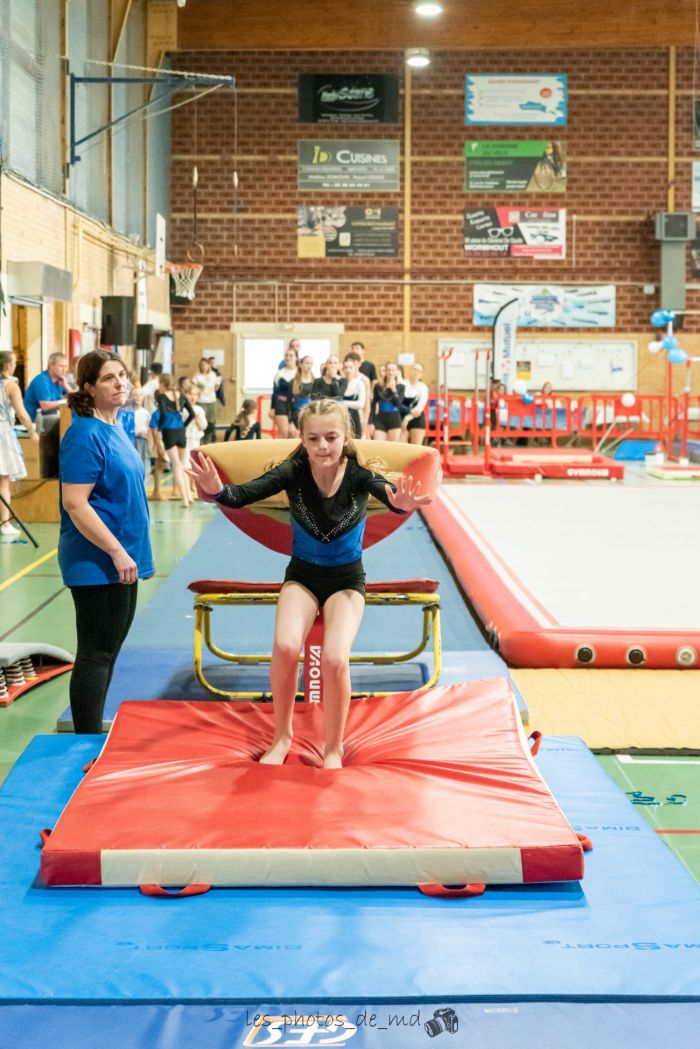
column 328, row 488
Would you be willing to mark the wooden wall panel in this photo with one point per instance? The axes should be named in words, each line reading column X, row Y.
column 336, row 25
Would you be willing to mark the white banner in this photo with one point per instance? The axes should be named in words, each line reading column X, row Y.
column 505, row 333
column 548, row 305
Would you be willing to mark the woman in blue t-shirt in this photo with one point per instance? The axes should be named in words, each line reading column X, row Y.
column 104, row 545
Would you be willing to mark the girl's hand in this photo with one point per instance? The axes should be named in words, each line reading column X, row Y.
column 407, row 495
column 203, row 473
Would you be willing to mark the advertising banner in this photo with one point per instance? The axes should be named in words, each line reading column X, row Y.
column 347, row 232
column 548, row 306
column 538, row 233
column 515, row 99
column 348, row 164
column 505, row 331
column 515, row 167
column 341, row 98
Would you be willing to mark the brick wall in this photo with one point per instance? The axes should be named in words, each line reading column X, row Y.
column 616, row 139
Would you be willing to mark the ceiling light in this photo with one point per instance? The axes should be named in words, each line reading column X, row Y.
column 427, row 8
column 417, row 57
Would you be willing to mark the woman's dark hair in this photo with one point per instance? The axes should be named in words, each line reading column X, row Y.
column 89, row 368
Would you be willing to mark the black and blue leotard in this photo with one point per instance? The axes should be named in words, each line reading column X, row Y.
column 324, row 531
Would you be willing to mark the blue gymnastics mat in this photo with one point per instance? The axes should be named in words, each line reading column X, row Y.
column 618, row 952
column 224, row 552
column 168, row 674
column 156, row 661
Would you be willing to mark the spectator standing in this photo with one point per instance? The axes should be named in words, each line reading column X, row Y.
column 12, row 466
column 281, row 401
column 415, row 399
column 150, row 388
column 327, row 386
column 354, row 391
column 47, row 392
column 207, row 383
column 386, row 405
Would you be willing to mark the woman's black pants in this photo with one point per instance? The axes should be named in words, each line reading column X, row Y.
column 103, row 616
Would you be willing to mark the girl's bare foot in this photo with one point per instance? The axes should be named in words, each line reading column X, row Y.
column 276, row 754
column 333, row 759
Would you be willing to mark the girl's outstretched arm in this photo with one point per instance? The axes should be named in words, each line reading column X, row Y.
column 204, row 474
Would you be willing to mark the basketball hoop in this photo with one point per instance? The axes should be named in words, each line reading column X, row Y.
column 184, row 276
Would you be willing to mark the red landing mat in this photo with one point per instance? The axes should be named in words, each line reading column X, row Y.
column 438, row 787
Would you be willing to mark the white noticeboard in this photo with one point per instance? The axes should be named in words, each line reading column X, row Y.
column 569, row 364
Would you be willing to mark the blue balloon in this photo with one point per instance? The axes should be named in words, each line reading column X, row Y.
column 670, row 342
column 670, row 315
column 527, row 398
column 677, row 356
column 658, row 318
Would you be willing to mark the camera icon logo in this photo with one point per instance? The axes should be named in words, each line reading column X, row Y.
column 443, row 1020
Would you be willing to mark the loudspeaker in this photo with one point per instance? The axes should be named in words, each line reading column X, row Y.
column 117, row 320
column 144, row 336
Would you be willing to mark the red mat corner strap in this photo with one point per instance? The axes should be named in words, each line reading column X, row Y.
column 586, row 842
column 44, row 835
column 535, row 740
column 86, row 768
column 172, row 894
column 453, row 891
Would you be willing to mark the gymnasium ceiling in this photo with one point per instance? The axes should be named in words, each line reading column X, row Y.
column 367, row 25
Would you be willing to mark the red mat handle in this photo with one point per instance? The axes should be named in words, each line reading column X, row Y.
column 586, row 842
column 173, row 894
column 535, row 740
column 449, row 892
column 86, row 768
column 44, row 835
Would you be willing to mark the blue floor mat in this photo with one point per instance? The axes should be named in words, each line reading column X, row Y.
column 627, row 933
column 168, row 674
column 224, row 552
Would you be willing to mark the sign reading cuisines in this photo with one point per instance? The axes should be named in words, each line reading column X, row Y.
column 363, row 98
column 348, row 164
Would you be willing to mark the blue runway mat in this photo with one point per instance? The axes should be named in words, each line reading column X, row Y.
column 627, row 934
column 223, row 552
column 168, row 674
column 156, row 661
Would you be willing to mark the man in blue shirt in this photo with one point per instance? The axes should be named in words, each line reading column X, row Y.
column 47, row 391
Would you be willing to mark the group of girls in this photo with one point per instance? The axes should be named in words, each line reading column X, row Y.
column 384, row 406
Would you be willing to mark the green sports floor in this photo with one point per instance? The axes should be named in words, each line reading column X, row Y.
column 35, row 605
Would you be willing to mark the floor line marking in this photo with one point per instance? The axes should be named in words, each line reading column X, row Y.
column 23, row 572
column 630, row 759
column 659, row 831
column 34, row 611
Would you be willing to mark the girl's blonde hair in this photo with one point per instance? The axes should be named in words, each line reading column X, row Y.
column 326, row 407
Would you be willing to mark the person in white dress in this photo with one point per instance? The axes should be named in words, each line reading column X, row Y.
column 196, row 428
column 12, row 466
column 207, row 383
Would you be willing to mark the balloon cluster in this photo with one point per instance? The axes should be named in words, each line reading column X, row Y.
column 665, row 319
column 520, row 387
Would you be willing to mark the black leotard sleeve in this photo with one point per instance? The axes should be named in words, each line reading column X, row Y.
column 269, row 483
column 374, row 484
